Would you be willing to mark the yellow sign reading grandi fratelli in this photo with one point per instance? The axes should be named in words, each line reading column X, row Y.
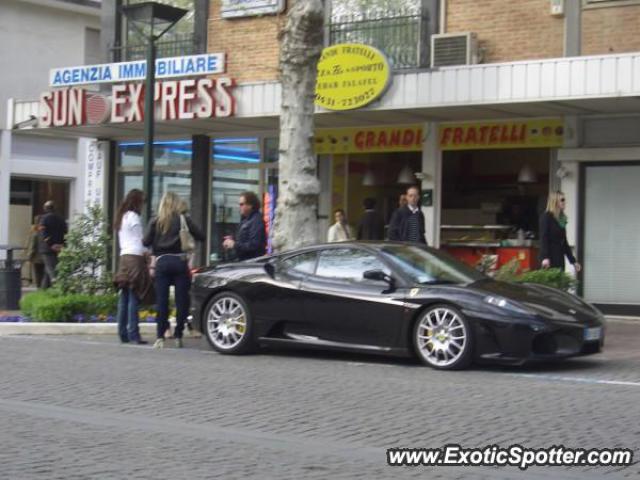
column 350, row 76
column 536, row 133
column 393, row 138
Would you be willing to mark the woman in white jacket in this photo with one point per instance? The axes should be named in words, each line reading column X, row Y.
column 339, row 231
column 132, row 278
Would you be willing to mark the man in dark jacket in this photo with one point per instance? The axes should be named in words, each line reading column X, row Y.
column 407, row 224
column 371, row 225
column 53, row 229
column 250, row 240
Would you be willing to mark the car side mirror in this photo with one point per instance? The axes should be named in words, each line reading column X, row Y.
column 270, row 268
column 380, row 276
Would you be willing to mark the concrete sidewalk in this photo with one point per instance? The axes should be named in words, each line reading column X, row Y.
column 42, row 328
column 103, row 328
column 12, row 327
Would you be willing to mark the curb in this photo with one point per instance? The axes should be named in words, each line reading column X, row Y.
column 42, row 328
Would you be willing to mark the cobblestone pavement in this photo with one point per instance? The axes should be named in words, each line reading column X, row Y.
column 80, row 407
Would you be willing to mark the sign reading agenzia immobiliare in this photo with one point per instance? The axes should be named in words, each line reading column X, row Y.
column 68, row 104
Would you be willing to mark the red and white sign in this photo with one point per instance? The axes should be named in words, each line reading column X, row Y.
column 173, row 100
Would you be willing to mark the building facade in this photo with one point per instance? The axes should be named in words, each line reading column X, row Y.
column 36, row 35
column 510, row 101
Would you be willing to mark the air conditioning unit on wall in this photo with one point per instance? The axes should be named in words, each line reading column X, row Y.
column 454, row 49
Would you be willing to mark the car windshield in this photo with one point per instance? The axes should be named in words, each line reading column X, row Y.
column 429, row 267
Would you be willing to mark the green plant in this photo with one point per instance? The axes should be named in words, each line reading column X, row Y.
column 82, row 266
column 552, row 277
column 53, row 306
column 30, row 301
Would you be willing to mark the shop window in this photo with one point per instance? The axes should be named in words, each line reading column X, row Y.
column 240, row 165
column 171, row 169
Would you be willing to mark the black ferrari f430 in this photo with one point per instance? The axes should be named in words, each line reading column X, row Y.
column 389, row 298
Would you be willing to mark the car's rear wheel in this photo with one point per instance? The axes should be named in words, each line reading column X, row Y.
column 228, row 325
column 442, row 338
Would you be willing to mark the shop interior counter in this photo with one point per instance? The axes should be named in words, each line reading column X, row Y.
column 473, row 243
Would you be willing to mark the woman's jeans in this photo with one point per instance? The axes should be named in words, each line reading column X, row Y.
column 172, row 270
column 128, row 316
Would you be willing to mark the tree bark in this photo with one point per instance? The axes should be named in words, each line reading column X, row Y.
column 301, row 43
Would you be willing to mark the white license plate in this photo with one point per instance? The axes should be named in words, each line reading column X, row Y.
column 592, row 333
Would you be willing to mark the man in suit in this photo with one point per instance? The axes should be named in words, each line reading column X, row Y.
column 371, row 225
column 407, row 224
column 53, row 229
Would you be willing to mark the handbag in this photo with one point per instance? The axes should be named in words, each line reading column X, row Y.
column 187, row 242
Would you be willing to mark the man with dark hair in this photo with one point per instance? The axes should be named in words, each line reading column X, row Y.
column 250, row 239
column 52, row 228
column 407, row 224
column 371, row 225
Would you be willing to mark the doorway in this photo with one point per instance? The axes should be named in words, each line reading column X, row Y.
column 26, row 201
column 610, row 232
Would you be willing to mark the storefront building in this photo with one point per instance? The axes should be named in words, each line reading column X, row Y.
column 486, row 142
column 34, row 169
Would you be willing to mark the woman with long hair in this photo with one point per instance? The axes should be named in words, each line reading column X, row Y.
column 171, row 265
column 132, row 277
column 553, row 235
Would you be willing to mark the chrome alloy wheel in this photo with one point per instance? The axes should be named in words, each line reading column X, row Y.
column 441, row 336
column 226, row 323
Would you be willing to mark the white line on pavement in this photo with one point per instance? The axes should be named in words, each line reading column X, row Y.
column 625, row 320
column 560, row 378
column 365, row 364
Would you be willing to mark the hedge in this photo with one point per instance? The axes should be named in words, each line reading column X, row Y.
column 53, row 306
column 552, row 277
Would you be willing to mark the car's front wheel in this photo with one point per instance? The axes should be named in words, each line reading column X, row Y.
column 228, row 325
column 442, row 338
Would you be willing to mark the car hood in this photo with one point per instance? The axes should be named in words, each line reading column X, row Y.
column 539, row 299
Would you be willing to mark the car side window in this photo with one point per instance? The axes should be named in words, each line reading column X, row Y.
column 347, row 264
column 305, row 263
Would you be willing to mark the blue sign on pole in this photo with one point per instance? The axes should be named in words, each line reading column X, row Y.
column 191, row 65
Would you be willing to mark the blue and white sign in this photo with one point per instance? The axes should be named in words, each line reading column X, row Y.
column 191, row 65
column 249, row 8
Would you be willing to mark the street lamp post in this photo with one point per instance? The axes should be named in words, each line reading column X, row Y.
column 145, row 18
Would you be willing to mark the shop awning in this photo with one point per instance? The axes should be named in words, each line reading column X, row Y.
column 605, row 84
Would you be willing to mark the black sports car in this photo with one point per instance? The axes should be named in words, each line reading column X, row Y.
column 389, row 298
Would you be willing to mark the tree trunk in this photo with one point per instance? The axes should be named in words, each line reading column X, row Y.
column 296, row 222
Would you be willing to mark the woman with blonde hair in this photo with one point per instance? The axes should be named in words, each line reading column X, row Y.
column 553, row 235
column 171, row 265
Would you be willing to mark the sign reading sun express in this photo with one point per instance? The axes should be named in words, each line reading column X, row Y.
column 350, row 76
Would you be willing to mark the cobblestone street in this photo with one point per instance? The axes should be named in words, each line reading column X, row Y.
column 79, row 407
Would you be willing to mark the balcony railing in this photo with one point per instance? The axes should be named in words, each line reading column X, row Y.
column 396, row 33
column 179, row 45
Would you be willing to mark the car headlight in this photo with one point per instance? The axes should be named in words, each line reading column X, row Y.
column 505, row 304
